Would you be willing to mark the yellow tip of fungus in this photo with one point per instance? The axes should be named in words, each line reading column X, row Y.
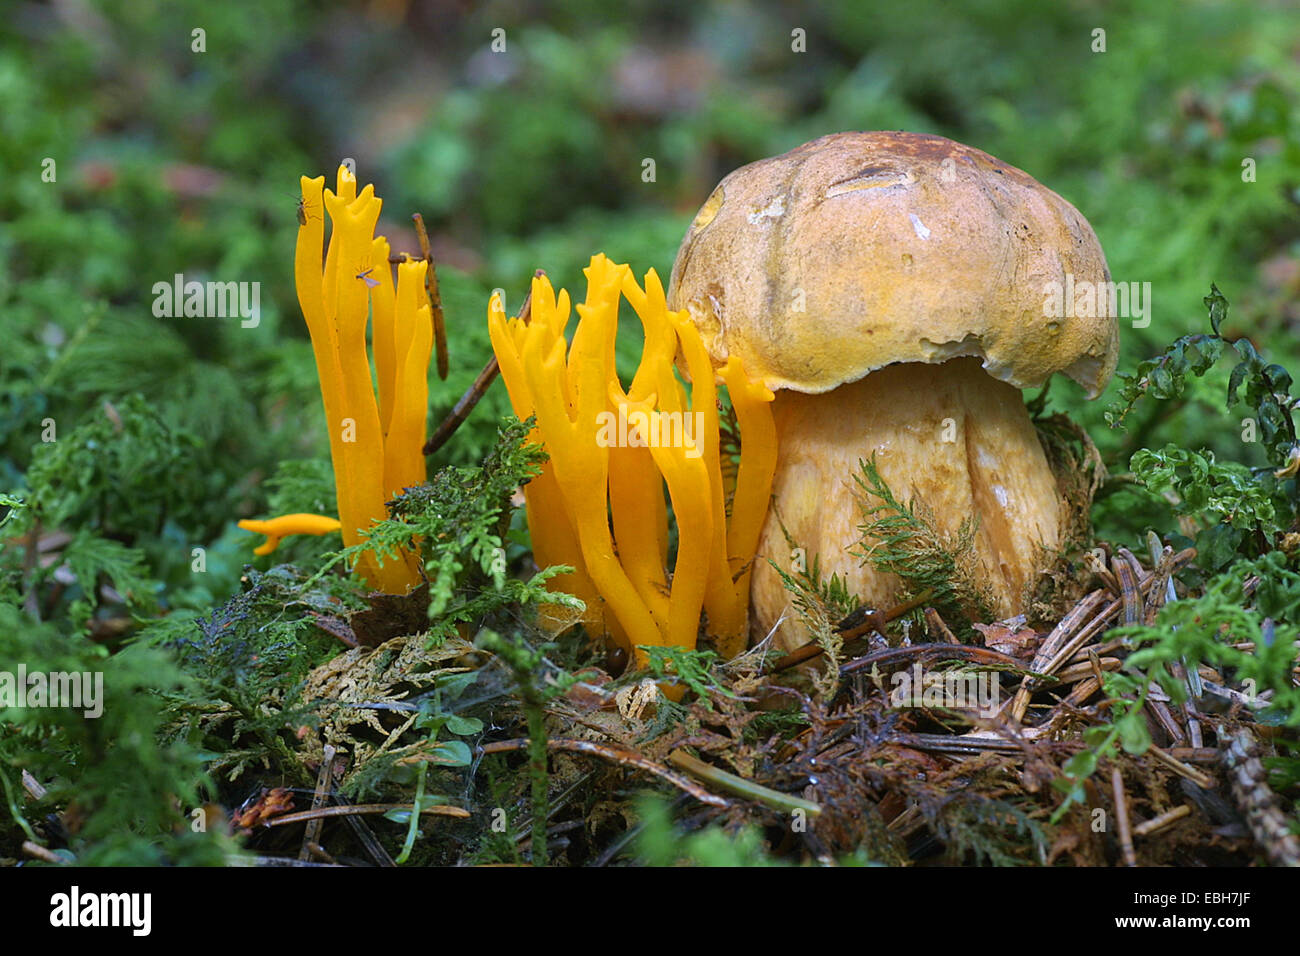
column 285, row 525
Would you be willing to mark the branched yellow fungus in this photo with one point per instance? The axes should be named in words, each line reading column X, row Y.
column 599, row 504
column 375, row 441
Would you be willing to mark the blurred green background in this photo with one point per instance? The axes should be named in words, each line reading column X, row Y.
column 174, row 161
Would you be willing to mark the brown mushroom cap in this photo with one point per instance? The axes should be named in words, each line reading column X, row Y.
column 860, row 250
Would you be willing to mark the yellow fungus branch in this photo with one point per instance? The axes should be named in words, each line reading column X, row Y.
column 383, row 331
column 281, row 527
column 636, row 504
column 752, row 403
column 727, row 609
column 413, row 345
column 688, row 487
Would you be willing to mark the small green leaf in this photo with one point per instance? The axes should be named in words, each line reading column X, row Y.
column 1218, row 306
column 1133, row 734
column 1081, row 765
column 1217, row 546
column 452, row 753
column 1096, row 736
column 464, row 725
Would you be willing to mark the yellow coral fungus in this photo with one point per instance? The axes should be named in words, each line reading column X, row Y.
column 285, row 525
column 375, row 441
column 555, row 539
column 599, row 504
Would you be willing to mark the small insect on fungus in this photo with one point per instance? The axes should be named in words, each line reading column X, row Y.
column 303, row 215
column 364, row 276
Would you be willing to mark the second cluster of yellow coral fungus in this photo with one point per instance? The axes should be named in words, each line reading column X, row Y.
column 375, row 441
column 599, row 505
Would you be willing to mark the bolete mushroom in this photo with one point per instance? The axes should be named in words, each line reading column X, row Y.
column 891, row 289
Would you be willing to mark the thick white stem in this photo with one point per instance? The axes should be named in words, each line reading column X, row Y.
column 952, row 435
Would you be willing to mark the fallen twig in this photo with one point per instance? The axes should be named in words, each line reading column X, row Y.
column 435, row 298
column 892, row 657
column 740, row 787
column 1121, row 817
column 1162, row 821
column 311, row 835
column 619, row 755
column 440, row 810
column 41, row 853
column 1204, row 781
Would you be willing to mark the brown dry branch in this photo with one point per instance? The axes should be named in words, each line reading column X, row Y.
column 619, row 755
column 324, row 777
column 314, row 816
column 435, row 298
column 1121, row 816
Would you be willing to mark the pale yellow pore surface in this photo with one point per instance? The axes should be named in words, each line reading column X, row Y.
column 993, row 468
